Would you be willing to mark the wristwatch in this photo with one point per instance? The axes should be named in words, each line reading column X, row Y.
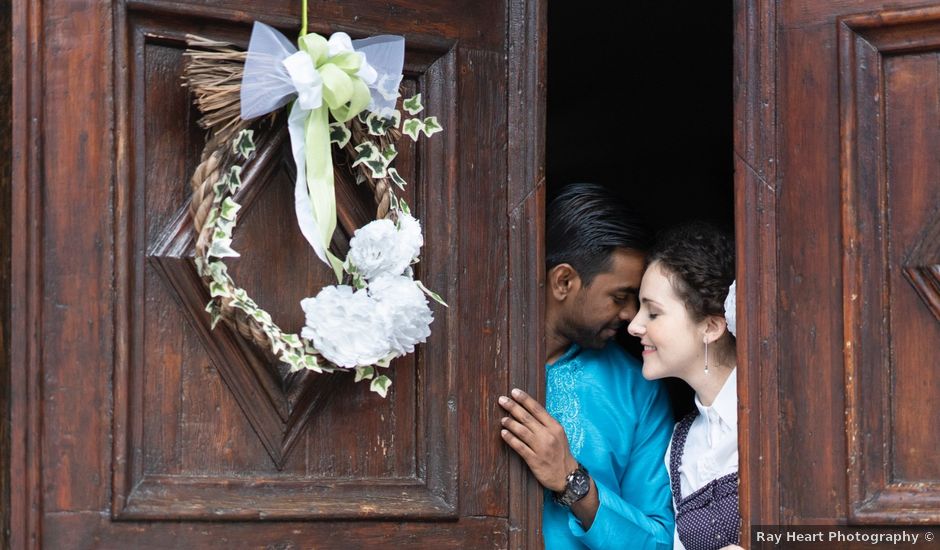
column 577, row 486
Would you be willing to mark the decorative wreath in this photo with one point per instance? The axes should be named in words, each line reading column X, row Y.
column 343, row 93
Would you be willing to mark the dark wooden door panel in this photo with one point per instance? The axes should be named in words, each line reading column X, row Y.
column 260, row 442
column 891, row 187
column 135, row 423
column 839, row 109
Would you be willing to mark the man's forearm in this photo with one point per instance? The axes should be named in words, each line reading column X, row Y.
column 586, row 508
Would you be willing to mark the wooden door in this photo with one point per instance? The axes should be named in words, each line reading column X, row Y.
column 837, row 126
column 136, row 426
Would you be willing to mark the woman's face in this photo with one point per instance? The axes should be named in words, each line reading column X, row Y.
column 673, row 343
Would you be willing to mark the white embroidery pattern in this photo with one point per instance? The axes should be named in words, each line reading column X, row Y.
column 562, row 401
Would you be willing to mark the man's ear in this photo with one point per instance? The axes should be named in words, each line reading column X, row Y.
column 562, row 281
column 715, row 328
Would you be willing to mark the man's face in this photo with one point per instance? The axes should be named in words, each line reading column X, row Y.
column 595, row 313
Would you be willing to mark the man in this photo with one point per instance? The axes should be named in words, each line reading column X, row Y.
column 601, row 462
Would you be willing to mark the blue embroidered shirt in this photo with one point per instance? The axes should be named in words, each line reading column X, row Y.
column 618, row 425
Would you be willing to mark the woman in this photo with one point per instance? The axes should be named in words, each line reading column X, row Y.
column 682, row 326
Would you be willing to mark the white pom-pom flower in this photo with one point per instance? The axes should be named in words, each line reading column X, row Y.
column 380, row 248
column 410, row 239
column 345, row 327
column 372, row 250
column 404, row 310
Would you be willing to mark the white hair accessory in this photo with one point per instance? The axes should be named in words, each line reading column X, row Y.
column 731, row 308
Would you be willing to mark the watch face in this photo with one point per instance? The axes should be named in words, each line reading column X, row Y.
column 580, row 484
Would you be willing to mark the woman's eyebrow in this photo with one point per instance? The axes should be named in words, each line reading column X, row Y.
column 651, row 301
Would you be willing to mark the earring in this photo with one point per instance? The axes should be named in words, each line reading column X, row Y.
column 706, row 357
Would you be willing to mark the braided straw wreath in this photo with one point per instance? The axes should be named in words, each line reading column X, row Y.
column 213, row 72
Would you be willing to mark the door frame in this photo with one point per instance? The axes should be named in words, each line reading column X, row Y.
column 755, row 198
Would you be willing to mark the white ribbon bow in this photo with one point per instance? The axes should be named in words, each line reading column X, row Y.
column 276, row 72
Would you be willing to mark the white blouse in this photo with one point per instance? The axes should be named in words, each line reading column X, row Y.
column 711, row 448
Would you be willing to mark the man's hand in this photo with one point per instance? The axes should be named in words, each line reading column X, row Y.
column 539, row 439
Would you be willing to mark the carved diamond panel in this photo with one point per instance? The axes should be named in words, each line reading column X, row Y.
column 261, row 443
column 276, row 403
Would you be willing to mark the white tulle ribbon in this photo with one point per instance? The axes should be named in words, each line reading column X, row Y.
column 339, row 77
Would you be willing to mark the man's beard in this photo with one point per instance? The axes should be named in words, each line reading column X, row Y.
column 589, row 337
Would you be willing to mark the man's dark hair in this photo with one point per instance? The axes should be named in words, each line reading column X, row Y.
column 585, row 224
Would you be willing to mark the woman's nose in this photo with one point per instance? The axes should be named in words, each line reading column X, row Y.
column 635, row 328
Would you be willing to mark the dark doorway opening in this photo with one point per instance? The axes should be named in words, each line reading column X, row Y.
column 663, row 140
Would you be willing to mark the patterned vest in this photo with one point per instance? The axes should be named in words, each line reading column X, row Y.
column 708, row 519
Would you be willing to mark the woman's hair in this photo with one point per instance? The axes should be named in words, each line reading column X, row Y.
column 585, row 224
column 698, row 259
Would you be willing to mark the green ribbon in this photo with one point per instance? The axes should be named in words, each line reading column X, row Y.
column 345, row 95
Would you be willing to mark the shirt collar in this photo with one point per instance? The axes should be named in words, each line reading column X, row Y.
column 569, row 354
column 726, row 402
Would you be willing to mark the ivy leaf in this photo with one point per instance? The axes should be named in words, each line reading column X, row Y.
column 295, row 361
column 413, row 104
column 214, row 311
column 358, row 282
column 394, row 119
column 261, row 316
column 339, row 134
column 310, row 362
column 218, row 271
column 380, row 385
column 403, row 206
column 222, row 248
column 376, row 124
column 277, row 346
column 229, row 209
column 219, row 187
column 385, row 361
column 433, row 295
column 363, row 116
column 364, row 373
column 234, row 179
column 390, row 153
column 217, row 289
column 213, row 216
column 379, row 168
column 431, row 126
column 366, row 151
column 293, row 341
column 224, row 227
column 244, row 143
column 412, row 127
column 201, row 266
column 396, row 178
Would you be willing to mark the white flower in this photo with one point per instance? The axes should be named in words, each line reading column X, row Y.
column 346, row 327
column 410, row 238
column 372, row 250
column 731, row 311
column 404, row 310
column 380, row 248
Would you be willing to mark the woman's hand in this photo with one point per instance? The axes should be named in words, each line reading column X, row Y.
column 539, row 439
